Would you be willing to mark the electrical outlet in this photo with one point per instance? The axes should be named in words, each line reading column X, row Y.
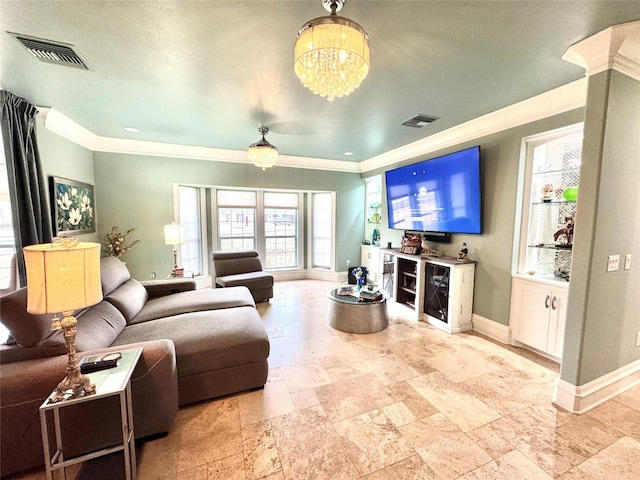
column 638, row 339
column 613, row 263
column 348, row 263
column 627, row 261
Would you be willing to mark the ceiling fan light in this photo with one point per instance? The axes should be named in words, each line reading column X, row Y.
column 262, row 154
column 331, row 54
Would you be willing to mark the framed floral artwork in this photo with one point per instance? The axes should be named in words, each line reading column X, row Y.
column 72, row 206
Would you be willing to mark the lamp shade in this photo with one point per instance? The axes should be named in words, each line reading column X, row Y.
column 62, row 277
column 173, row 234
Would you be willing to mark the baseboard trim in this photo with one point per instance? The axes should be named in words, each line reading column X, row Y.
column 491, row 329
column 581, row 399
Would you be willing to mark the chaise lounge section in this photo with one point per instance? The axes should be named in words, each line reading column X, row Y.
column 197, row 345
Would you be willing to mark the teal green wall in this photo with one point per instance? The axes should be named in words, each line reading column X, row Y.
column 138, row 192
column 500, row 156
column 62, row 158
column 603, row 307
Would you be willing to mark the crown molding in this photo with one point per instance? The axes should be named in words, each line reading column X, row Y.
column 616, row 48
column 559, row 100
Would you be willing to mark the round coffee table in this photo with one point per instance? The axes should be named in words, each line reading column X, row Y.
column 349, row 314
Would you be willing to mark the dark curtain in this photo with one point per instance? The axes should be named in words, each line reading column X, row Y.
column 27, row 188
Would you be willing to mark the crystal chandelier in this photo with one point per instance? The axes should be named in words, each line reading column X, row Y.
column 331, row 54
column 262, row 154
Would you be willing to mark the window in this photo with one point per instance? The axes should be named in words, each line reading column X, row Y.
column 270, row 222
column 7, row 240
column 321, row 229
column 281, row 229
column 189, row 218
column 236, row 219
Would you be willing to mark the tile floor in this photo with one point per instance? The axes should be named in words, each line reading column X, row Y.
column 410, row 402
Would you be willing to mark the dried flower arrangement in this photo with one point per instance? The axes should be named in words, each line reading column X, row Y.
column 115, row 242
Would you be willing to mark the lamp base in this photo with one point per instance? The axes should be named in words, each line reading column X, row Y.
column 78, row 384
column 75, row 384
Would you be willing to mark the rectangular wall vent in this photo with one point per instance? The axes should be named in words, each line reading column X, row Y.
column 419, row 121
column 51, row 52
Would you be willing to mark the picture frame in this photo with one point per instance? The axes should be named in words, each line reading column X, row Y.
column 73, row 209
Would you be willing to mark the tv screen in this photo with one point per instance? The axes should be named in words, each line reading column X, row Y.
column 438, row 195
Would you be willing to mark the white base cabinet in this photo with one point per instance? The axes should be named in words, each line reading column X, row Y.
column 538, row 314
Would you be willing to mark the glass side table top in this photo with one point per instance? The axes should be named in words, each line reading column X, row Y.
column 353, row 296
column 108, row 382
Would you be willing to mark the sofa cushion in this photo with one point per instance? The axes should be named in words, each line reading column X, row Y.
column 194, row 301
column 129, row 298
column 209, row 340
column 98, row 327
column 113, row 273
column 253, row 280
column 26, row 329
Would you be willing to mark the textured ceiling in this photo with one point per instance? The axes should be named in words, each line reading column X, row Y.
column 207, row 73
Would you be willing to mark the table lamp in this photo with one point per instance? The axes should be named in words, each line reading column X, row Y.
column 174, row 235
column 62, row 277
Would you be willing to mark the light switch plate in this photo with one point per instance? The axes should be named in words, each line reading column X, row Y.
column 627, row 261
column 613, row 263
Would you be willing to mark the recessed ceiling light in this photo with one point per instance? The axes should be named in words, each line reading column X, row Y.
column 348, row 154
column 131, row 129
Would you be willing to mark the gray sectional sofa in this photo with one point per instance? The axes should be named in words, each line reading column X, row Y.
column 241, row 268
column 197, row 345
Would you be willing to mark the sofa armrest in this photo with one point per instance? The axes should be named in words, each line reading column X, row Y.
column 162, row 288
column 25, row 385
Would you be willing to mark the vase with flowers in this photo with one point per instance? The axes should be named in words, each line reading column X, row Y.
column 115, row 242
column 361, row 274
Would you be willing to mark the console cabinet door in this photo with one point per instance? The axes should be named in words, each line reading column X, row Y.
column 538, row 315
column 532, row 303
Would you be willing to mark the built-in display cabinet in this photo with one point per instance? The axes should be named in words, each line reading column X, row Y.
column 551, row 177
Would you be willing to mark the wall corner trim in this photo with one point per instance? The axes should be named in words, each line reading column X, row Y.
column 580, row 399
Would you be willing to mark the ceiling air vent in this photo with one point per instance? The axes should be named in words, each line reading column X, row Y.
column 51, row 52
column 419, row 121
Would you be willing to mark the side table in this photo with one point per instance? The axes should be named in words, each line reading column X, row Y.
column 114, row 381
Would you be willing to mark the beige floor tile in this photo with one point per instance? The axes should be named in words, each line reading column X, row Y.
column 460, row 363
column 501, row 390
column 305, row 399
column 388, row 368
column 310, row 448
column 304, row 376
column 399, row 414
column 229, row 468
column 202, row 433
column 444, row 447
column 589, row 433
column 409, row 396
column 496, row 438
column 620, row 416
column 630, row 398
column 461, row 407
column 619, row 461
column 413, row 468
column 372, row 442
column 353, row 396
column 271, row 401
column 513, row 465
column 260, row 452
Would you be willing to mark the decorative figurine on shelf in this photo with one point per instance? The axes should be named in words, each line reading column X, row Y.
column 462, row 254
column 567, row 231
column 360, row 273
column 375, row 237
column 547, row 193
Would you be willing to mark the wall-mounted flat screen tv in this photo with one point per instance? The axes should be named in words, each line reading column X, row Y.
column 438, row 195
